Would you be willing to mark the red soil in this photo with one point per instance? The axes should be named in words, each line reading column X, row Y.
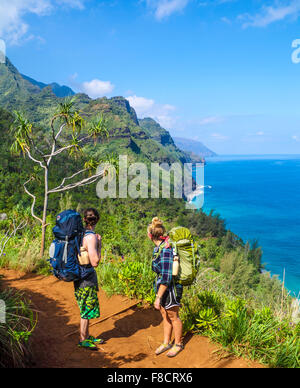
column 131, row 337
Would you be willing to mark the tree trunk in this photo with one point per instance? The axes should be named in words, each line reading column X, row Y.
column 44, row 225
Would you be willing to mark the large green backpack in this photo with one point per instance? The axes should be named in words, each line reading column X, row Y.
column 184, row 246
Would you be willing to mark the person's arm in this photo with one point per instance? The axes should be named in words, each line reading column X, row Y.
column 93, row 251
column 99, row 244
column 162, row 289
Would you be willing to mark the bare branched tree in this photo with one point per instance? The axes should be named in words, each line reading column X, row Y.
column 10, row 234
column 69, row 120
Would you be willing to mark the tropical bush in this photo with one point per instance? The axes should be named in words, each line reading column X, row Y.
column 127, row 277
column 19, row 324
column 243, row 325
column 22, row 250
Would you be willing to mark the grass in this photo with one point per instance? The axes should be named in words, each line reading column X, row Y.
column 22, row 252
column 16, row 331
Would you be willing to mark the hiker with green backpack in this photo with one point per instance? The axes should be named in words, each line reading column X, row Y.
column 175, row 264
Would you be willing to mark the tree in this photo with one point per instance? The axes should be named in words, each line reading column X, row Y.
column 10, row 233
column 64, row 137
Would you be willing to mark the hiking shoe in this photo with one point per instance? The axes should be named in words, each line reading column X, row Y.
column 97, row 341
column 86, row 344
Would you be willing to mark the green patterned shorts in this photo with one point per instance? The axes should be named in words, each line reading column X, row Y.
column 87, row 299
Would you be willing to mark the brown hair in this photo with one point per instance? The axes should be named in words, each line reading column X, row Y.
column 91, row 220
column 156, row 229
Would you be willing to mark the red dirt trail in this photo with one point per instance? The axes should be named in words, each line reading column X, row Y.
column 131, row 337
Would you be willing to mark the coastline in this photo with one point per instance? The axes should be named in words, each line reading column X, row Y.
column 258, row 215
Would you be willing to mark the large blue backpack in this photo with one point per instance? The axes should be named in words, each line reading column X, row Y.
column 64, row 250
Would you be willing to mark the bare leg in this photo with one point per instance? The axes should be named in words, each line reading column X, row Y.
column 173, row 316
column 84, row 329
column 167, row 326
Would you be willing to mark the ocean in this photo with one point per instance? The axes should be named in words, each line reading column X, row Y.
column 259, row 198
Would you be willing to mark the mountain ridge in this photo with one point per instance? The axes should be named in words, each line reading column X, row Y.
column 58, row 90
column 126, row 134
column 193, row 147
column 143, row 140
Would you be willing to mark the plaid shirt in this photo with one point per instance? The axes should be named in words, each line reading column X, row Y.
column 163, row 265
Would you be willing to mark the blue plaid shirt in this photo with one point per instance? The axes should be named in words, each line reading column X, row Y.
column 163, row 265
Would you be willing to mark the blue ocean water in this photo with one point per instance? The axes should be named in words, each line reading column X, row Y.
column 259, row 197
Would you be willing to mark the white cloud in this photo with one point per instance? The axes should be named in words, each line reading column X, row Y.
column 13, row 26
column 164, row 8
column 219, row 136
column 97, row 88
column 210, row 120
column 141, row 105
column 72, row 3
column 145, row 107
column 224, row 19
column 271, row 14
column 296, row 138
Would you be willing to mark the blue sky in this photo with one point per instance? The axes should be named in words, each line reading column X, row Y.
column 217, row 71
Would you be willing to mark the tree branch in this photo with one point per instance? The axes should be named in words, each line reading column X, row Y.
column 33, row 202
column 83, row 182
column 7, row 237
column 71, row 177
column 35, row 160
column 54, row 144
column 54, row 153
column 55, row 137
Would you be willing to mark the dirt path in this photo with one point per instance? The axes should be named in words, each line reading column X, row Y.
column 131, row 337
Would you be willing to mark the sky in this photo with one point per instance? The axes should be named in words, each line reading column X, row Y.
column 223, row 72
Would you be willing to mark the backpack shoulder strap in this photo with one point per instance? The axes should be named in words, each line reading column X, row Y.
column 161, row 247
column 87, row 232
column 84, row 234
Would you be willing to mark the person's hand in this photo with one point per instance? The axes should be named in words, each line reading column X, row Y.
column 157, row 303
column 99, row 238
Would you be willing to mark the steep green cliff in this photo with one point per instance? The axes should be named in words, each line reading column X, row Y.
column 127, row 134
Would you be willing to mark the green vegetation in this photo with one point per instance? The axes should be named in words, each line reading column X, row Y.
column 227, row 303
column 126, row 136
column 243, row 327
column 43, row 154
column 58, row 90
column 233, row 301
column 230, row 275
column 16, row 331
column 246, row 319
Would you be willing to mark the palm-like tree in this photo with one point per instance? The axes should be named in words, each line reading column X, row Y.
column 68, row 118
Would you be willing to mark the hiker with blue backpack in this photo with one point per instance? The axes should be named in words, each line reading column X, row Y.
column 174, row 262
column 86, row 288
column 74, row 255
